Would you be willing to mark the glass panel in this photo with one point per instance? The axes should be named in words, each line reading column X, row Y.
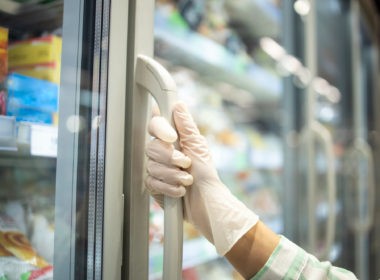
column 52, row 139
column 248, row 70
column 215, row 50
column 30, row 64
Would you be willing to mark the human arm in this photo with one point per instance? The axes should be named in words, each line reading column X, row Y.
column 250, row 253
column 208, row 203
column 251, row 247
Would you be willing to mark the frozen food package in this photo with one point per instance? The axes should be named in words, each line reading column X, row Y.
column 3, row 101
column 38, row 57
column 17, row 256
column 3, row 38
column 3, row 66
column 31, row 99
column 39, row 50
column 45, row 273
column 12, row 268
column 49, row 72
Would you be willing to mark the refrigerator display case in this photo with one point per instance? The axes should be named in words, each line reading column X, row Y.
column 30, row 54
column 274, row 96
column 55, row 62
column 286, row 93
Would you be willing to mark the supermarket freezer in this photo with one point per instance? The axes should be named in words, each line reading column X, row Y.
column 78, row 180
column 54, row 158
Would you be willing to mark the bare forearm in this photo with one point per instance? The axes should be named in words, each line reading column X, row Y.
column 252, row 250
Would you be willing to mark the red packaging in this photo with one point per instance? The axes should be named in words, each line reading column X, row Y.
column 3, row 102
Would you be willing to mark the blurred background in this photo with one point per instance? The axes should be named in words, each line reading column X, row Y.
column 286, row 93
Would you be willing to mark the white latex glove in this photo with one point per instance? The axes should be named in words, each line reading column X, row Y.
column 208, row 203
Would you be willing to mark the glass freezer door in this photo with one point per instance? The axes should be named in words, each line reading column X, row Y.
column 56, row 215
column 214, row 51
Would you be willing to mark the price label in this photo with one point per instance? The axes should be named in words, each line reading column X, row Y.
column 43, row 140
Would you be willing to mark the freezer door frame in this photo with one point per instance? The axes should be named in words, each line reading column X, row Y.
column 67, row 157
column 89, row 182
column 136, row 210
column 115, row 139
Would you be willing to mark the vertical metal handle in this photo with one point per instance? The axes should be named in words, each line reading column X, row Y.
column 156, row 80
column 360, row 198
column 361, row 153
column 320, row 133
column 324, row 136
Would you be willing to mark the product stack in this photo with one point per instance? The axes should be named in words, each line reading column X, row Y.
column 30, row 62
column 33, row 84
column 3, row 67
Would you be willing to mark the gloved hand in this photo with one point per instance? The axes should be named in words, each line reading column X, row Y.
column 208, row 203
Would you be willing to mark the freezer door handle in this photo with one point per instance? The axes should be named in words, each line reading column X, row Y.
column 317, row 132
column 324, row 136
column 156, row 80
column 359, row 170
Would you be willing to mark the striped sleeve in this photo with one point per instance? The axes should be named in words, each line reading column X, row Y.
column 288, row 261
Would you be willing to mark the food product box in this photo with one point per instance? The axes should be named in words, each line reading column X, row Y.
column 49, row 72
column 18, row 258
column 40, row 50
column 3, row 101
column 3, row 65
column 31, row 99
column 3, row 56
column 3, row 38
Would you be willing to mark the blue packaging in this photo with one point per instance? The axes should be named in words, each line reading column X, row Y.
column 30, row 99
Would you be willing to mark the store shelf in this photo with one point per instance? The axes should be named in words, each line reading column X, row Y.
column 254, row 18
column 215, row 64
column 24, row 144
column 195, row 252
column 31, row 17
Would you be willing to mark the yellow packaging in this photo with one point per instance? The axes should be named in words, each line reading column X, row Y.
column 3, row 252
column 17, row 244
column 55, row 119
column 3, row 38
column 3, row 65
column 41, row 50
column 49, row 72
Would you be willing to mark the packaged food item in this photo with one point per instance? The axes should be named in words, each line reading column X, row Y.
column 3, row 101
column 3, row 38
column 4, row 252
column 3, row 60
column 12, row 268
column 50, row 72
column 18, row 245
column 17, row 256
column 31, row 99
column 39, row 274
column 39, row 58
column 34, row 51
column 3, row 65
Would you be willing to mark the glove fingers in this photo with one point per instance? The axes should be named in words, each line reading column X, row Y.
column 160, row 128
column 164, row 153
column 191, row 141
column 156, row 186
column 169, row 174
